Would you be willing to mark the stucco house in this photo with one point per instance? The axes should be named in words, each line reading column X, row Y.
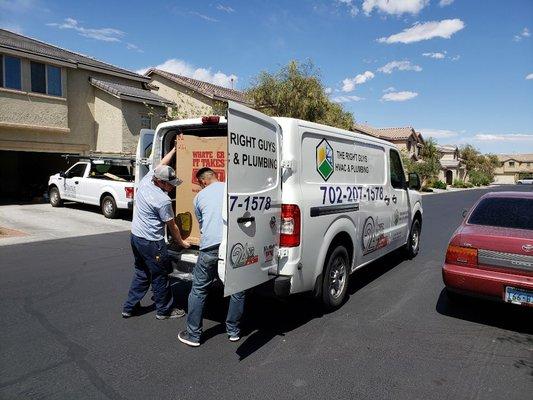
column 452, row 167
column 513, row 167
column 192, row 97
column 55, row 101
column 406, row 138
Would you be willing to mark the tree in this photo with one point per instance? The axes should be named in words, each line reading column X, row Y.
column 428, row 168
column 479, row 167
column 296, row 91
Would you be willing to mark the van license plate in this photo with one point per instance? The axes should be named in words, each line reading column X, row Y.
column 518, row 296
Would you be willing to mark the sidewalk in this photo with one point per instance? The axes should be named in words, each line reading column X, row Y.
column 452, row 189
column 37, row 222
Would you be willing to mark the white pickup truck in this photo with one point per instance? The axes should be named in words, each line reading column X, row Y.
column 97, row 182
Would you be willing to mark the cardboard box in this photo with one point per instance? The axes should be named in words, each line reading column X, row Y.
column 192, row 154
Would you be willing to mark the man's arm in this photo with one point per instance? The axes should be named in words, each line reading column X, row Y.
column 175, row 232
column 170, row 155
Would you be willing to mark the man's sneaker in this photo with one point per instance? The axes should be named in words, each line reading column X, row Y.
column 126, row 314
column 184, row 337
column 234, row 338
column 174, row 313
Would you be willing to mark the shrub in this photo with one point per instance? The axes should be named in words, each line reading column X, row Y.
column 457, row 183
column 479, row 178
column 467, row 185
column 439, row 185
column 426, row 189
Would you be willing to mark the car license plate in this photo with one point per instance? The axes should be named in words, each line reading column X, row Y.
column 518, row 296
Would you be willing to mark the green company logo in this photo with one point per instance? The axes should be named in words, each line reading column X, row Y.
column 324, row 159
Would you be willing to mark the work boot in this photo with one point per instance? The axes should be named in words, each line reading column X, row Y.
column 174, row 313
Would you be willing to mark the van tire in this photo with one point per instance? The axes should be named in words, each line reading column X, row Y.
column 109, row 207
column 55, row 197
column 335, row 278
column 412, row 247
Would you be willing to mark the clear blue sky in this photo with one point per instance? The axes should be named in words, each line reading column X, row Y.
column 456, row 70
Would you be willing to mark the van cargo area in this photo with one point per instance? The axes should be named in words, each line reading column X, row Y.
column 198, row 147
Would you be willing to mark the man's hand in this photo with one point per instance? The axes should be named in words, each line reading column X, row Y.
column 176, row 235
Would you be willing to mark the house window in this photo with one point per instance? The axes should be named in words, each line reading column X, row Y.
column 45, row 79
column 146, row 121
column 511, row 163
column 10, row 72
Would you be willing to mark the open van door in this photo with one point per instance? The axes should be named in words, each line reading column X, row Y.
column 143, row 156
column 253, row 209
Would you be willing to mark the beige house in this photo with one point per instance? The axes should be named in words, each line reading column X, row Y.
column 513, row 167
column 54, row 101
column 406, row 139
column 192, row 97
column 452, row 167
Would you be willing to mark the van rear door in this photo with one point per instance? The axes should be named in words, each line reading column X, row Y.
column 143, row 156
column 253, row 209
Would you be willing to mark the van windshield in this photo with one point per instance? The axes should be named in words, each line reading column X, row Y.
column 504, row 212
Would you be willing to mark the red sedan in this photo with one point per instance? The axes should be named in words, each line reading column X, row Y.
column 491, row 253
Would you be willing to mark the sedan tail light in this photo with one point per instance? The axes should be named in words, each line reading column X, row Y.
column 290, row 226
column 129, row 192
column 460, row 255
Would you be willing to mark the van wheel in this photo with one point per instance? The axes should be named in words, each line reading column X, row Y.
column 413, row 243
column 109, row 207
column 55, row 197
column 335, row 282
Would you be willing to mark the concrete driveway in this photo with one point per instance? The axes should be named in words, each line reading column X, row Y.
column 36, row 222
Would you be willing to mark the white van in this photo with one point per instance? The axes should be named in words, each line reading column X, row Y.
column 306, row 204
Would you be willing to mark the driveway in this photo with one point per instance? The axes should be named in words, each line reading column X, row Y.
column 37, row 222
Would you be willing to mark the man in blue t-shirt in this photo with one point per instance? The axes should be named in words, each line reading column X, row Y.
column 208, row 209
column 153, row 211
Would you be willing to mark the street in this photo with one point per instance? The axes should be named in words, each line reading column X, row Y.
column 396, row 337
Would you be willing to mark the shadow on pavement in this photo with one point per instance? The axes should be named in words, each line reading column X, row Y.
column 487, row 312
column 125, row 215
column 265, row 317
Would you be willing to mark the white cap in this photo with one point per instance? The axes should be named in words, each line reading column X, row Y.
column 167, row 174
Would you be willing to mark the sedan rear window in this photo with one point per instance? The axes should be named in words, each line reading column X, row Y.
column 504, row 212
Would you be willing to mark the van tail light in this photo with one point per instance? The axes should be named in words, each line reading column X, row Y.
column 129, row 192
column 459, row 255
column 211, row 120
column 290, row 226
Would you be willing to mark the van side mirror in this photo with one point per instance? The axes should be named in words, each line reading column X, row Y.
column 62, row 174
column 414, row 181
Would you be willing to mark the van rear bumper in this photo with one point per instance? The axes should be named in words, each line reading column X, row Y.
column 280, row 286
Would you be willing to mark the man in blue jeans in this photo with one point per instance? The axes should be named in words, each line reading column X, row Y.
column 153, row 210
column 208, row 209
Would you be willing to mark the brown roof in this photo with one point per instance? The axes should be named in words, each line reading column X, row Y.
column 130, row 93
column 210, row 90
column 517, row 157
column 390, row 134
column 13, row 41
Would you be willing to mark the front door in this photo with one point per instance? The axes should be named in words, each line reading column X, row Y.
column 399, row 201
column 253, row 204
column 71, row 183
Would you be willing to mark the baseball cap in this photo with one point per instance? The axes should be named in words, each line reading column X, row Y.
column 167, row 174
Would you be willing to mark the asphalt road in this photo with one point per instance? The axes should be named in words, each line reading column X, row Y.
column 397, row 336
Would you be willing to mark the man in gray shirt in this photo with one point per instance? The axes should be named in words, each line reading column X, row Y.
column 153, row 211
column 208, row 209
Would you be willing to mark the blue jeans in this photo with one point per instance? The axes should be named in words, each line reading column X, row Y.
column 204, row 274
column 152, row 266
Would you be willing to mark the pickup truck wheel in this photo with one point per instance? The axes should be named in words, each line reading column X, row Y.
column 55, row 197
column 109, row 207
column 413, row 243
column 335, row 282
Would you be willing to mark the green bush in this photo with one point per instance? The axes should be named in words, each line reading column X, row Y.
column 479, row 178
column 467, row 185
column 457, row 183
column 426, row 189
column 439, row 185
